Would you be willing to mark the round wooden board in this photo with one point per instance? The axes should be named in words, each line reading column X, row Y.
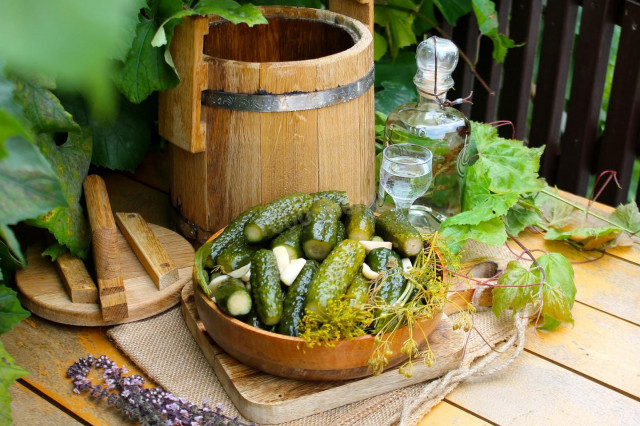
column 42, row 292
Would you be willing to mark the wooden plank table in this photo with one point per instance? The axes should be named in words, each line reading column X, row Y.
column 588, row 374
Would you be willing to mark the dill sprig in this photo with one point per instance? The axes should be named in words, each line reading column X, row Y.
column 339, row 320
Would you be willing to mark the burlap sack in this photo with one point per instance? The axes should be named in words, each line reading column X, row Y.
column 164, row 349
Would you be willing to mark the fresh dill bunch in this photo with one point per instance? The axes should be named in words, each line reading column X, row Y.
column 339, row 320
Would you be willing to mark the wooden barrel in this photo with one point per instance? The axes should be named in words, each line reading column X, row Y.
column 268, row 110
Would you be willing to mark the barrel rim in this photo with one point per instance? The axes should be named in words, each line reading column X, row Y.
column 350, row 25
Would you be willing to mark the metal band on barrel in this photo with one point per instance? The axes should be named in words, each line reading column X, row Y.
column 297, row 101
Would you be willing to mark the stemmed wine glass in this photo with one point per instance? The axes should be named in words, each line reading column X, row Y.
column 405, row 173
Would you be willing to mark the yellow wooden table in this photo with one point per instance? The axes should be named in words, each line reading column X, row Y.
column 588, row 374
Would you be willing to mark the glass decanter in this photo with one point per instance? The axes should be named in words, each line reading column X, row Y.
column 430, row 122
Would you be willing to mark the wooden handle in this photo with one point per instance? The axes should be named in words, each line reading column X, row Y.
column 77, row 281
column 155, row 259
column 113, row 299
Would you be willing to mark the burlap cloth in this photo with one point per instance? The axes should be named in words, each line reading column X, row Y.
column 164, row 349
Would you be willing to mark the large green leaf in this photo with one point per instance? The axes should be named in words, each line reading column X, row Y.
column 397, row 19
column 516, row 289
column 41, row 107
column 559, row 291
column 28, row 185
column 392, row 95
column 489, row 232
column 453, row 9
column 627, row 216
column 13, row 246
column 9, row 373
column 145, row 69
column 121, row 143
column 519, row 218
column 479, row 202
column 73, row 40
column 11, row 312
column 71, row 163
column 12, row 121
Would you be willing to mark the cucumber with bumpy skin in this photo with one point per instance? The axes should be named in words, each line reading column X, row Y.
column 360, row 223
column 342, row 232
column 265, row 286
column 291, row 240
column 233, row 231
column 394, row 226
column 233, row 298
column 277, row 216
column 340, row 197
column 253, row 320
column 388, row 263
column 320, row 233
column 293, row 308
column 358, row 291
column 236, row 255
column 335, row 274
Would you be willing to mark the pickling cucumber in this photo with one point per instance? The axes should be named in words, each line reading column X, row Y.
column 236, row 255
column 394, row 226
column 233, row 231
column 233, row 298
column 265, row 286
column 380, row 259
column 277, row 216
column 335, row 274
column 360, row 223
column 293, row 307
column 339, row 197
column 291, row 240
column 389, row 263
column 320, row 233
column 253, row 320
column 342, row 232
column 358, row 291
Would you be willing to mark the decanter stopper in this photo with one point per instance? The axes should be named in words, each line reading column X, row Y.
column 432, row 52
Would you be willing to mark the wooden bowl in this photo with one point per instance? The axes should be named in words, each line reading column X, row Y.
column 289, row 357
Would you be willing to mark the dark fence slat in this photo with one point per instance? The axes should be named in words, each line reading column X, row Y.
column 465, row 36
column 485, row 105
column 518, row 66
column 592, row 53
column 551, row 84
column 622, row 128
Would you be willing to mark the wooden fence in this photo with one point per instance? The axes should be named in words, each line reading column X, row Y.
column 576, row 148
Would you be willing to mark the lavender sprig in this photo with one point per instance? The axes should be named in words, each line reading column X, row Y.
column 148, row 406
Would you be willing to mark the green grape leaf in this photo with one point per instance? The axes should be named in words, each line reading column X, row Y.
column 519, row 218
column 517, row 289
column 489, row 232
column 559, row 291
column 11, row 312
column 400, row 69
column 479, row 202
column 511, row 166
column 392, row 95
column 55, row 250
column 589, row 238
column 426, row 17
column 487, row 18
column 397, row 19
column 28, row 185
column 627, row 216
column 71, row 162
column 41, row 107
column 453, row 9
column 12, row 121
column 380, row 46
column 380, row 123
column 9, row 373
column 145, row 70
column 121, row 143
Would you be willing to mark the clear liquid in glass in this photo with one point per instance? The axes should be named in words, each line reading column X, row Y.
column 405, row 179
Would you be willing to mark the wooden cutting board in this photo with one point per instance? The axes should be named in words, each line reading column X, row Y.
column 42, row 292
column 263, row 398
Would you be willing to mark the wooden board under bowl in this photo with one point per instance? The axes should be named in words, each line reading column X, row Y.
column 264, row 398
column 42, row 292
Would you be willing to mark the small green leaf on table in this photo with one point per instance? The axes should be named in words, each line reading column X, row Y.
column 559, row 291
column 9, row 373
column 516, row 289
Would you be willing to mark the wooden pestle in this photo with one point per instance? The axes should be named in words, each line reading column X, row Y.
column 113, row 300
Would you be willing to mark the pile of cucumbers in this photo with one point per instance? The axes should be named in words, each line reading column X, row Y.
column 274, row 262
